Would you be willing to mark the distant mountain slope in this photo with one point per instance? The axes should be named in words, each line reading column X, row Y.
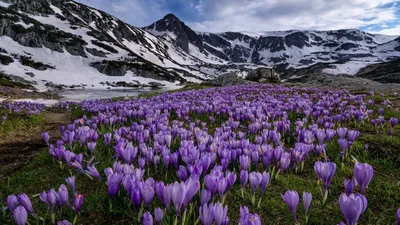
column 295, row 48
column 387, row 72
column 57, row 43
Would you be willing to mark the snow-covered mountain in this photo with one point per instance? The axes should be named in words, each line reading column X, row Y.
column 62, row 42
column 294, row 48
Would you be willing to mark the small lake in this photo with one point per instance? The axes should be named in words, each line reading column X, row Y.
column 90, row 94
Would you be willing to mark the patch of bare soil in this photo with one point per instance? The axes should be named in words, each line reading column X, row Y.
column 19, row 146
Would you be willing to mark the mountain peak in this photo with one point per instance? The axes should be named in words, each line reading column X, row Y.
column 171, row 16
column 183, row 34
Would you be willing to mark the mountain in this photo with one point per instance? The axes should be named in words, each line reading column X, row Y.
column 387, row 72
column 61, row 43
column 294, row 48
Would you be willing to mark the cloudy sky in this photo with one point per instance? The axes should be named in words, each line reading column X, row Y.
column 378, row 16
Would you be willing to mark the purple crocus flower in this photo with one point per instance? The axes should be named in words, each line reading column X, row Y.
column 277, row 153
column 393, row 122
column 211, row 183
column 284, row 162
column 255, row 179
column 182, row 173
column 12, row 202
column 321, row 135
column 307, row 197
column 352, row 207
column 147, row 219
column 63, row 193
column 78, row 201
column 71, row 183
column 135, row 196
column 206, row 213
column 92, row 171
column 91, row 146
column 353, row 135
column 114, row 181
column 46, row 137
column 363, row 174
column 250, row 219
column 343, row 144
column 107, row 139
column 244, row 177
column 64, row 222
column 325, row 171
column 147, row 192
column 20, row 215
column 158, row 216
column 244, row 162
column 349, row 186
column 220, row 214
column 50, row 198
column 221, row 188
column 205, row 196
column 243, row 211
column 341, row 132
column 330, row 134
column 230, row 179
column 291, row 199
column 381, row 111
column 24, row 200
column 398, row 216
column 264, row 182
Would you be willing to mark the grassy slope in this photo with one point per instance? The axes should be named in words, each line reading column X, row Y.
column 383, row 193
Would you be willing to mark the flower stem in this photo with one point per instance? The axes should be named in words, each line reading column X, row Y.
column 75, row 219
column 259, row 203
column 325, row 198
column 184, row 217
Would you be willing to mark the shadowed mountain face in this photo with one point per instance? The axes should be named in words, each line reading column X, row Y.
column 67, row 43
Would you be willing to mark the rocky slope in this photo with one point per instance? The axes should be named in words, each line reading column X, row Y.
column 288, row 49
column 387, row 72
column 62, row 43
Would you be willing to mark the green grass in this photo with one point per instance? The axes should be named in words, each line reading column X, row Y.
column 383, row 193
column 9, row 83
column 18, row 121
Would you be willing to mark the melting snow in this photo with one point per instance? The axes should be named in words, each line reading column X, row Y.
column 56, row 9
column 4, row 4
column 26, row 26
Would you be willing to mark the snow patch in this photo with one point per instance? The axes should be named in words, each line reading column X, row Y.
column 56, row 9
column 4, row 4
column 47, row 102
column 26, row 26
column 351, row 67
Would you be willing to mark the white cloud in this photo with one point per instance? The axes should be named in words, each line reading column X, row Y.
column 390, row 31
column 268, row 15
column 260, row 15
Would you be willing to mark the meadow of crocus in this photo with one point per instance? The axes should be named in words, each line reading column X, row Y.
column 254, row 154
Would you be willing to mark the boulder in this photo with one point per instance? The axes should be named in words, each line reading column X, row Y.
column 227, row 80
column 263, row 75
column 30, row 74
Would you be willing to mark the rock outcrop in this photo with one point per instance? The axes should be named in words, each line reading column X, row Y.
column 263, row 75
column 388, row 72
column 227, row 79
